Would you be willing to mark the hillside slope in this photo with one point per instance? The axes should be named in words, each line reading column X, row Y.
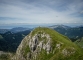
column 79, row 42
column 47, row 44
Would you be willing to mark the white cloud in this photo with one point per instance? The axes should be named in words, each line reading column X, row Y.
column 37, row 12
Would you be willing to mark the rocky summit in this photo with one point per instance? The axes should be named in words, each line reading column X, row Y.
column 47, row 44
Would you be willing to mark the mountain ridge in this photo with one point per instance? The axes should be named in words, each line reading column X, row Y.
column 47, row 44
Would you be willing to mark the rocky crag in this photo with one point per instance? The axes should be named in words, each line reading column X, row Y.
column 47, row 44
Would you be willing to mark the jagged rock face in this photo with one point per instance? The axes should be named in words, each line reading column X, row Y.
column 34, row 44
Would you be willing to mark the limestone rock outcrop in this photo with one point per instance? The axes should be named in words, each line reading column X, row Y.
column 35, row 44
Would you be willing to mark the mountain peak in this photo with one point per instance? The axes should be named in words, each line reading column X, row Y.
column 46, row 44
column 60, row 26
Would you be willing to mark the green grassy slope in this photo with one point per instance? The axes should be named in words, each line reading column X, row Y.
column 79, row 42
column 57, row 38
column 61, row 47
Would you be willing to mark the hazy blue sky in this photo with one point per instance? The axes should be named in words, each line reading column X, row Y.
column 41, row 11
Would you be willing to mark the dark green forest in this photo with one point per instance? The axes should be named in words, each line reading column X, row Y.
column 9, row 41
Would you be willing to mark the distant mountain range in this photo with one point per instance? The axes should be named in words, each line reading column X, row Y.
column 60, row 26
column 19, row 29
column 14, row 30
column 72, row 32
